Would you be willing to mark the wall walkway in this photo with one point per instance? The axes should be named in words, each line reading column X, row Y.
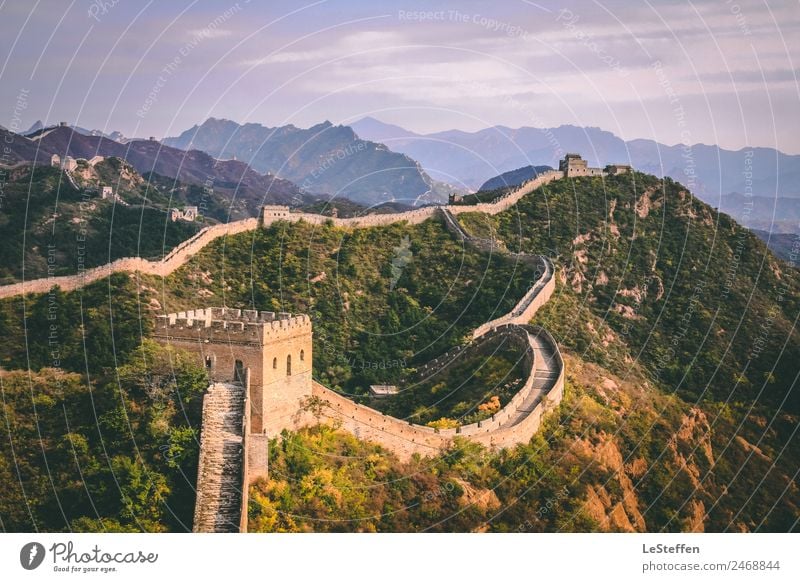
column 181, row 254
column 219, row 478
column 516, row 422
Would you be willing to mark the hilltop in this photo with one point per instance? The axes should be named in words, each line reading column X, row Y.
column 57, row 224
column 715, row 173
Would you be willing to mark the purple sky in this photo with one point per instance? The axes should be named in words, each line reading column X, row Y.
column 709, row 71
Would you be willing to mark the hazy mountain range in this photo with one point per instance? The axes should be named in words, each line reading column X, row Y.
column 711, row 172
column 234, row 179
column 323, row 159
column 254, row 164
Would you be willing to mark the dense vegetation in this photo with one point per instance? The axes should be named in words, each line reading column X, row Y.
column 50, row 228
column 101, row 434
column 470, row 389
column 617, row 457
column 678, row 329
column 686, row 420
column 382, row 300
column 698, row 299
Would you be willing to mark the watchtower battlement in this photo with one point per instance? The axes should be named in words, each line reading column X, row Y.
column 240, row 325
column 276, row 348
column 574, row 166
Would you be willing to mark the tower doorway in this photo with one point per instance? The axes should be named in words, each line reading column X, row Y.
column 238, row 372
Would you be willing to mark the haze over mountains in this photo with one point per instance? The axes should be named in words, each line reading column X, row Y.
column 323, row 159
column 115, row 135
column 244, row 188
column 372, row 163
column 710, row 172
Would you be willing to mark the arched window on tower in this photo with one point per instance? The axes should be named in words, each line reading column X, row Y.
column 302, row 355
column 208, row 362
column 289, row 365
column 274, row 363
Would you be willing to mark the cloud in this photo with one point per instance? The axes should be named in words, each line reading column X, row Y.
column 350, row 45
column 755, row 76
column 210, row 33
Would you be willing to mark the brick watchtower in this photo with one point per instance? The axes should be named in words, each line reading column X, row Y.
column 275, row 348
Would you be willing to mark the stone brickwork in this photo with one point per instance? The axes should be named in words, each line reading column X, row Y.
column 515, row 423
column 270, row 355
column 218, row 503
column 574, row 166
column 172, row 261
column 276, row 349
column 536, row 296
column 259, row 363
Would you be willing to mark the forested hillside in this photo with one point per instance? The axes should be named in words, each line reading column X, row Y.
column 680, row 347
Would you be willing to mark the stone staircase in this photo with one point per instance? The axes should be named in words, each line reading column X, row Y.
column 546, row 370
column 219, row 478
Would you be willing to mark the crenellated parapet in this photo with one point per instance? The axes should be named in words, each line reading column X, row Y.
column 231, row 325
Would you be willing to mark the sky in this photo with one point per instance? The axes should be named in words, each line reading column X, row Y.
column 716, row 72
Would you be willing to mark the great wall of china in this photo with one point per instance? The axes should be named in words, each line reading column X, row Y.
column 255, row 395
column 181, row 254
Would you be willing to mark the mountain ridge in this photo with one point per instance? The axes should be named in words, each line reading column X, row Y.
column 645, row 440
column 236, row 180
column 323, row 159
column 708, row 170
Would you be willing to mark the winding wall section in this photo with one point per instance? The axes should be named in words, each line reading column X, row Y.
column 178, row 256
column 515, row 423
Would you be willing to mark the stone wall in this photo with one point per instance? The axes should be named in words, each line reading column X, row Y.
column 536, row 296
column 514, row 423
column 246, row 478
column 487, row 343
column 219, row 474
column 178, row 256
column 526, row 308
column 511, row 198
column 275, row 348
column 287, row 359
column 172, row 261
column 406, row 439
column 367, row 221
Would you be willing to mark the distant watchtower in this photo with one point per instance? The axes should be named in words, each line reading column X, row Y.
column 275, row 348
column 573, row 166
column 271, row 213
